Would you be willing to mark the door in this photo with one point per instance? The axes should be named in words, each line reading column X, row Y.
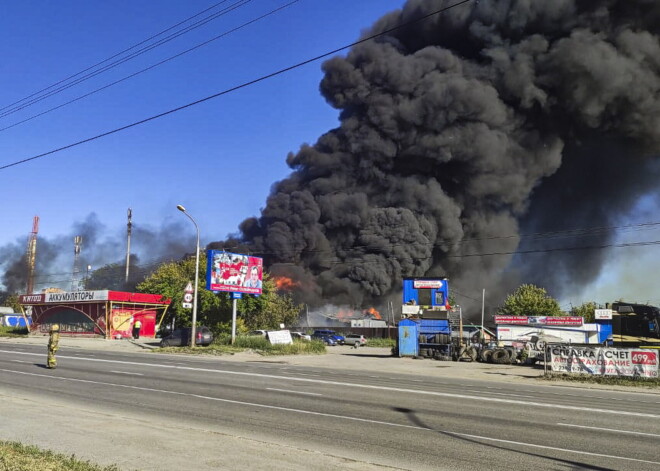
column 408, row 345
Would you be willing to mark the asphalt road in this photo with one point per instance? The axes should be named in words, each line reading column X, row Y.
column 153, row 412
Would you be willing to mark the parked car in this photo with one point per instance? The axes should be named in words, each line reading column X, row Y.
column 301, row 336
column 355, row 340
column 329, row 333
column 263, row 333
column 326, row 339
column 181, row 337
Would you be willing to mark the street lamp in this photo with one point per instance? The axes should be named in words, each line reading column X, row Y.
column 194, row 313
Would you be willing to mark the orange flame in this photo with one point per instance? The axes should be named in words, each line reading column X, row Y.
column 285, row 283
column 374, row 313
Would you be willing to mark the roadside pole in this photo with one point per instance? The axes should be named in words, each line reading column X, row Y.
column 234, row 302
column 483, row 303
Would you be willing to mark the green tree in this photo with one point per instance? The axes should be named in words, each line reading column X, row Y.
column 529, row 300
column 270, row 309
column 585, row 310
column 170, row 280
column 10, row 300
column 267, row 311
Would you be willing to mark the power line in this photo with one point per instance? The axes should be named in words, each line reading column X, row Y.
column 151, row 67
column 114, row 56
column 233, row 89
column 133, row 55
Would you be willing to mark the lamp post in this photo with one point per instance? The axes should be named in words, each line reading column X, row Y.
column 194, row 313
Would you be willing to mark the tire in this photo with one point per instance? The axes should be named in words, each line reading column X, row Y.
column 485, row 354
column 421, row 338
column 512, row 354
column 500, row 356
column 472, row 353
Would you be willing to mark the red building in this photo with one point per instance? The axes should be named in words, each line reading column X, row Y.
column 110, row 314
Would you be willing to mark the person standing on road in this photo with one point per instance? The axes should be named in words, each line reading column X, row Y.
column 53, row 345
column 137, row 325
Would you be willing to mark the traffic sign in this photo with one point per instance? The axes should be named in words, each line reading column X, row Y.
column 187, row 305
column 189, row 288
column 188, row 297
column 235, row 295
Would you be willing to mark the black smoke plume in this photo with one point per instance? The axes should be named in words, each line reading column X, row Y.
column 462, row 132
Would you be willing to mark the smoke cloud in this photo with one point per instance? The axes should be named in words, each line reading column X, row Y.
column 462, row 132
column 100, row 248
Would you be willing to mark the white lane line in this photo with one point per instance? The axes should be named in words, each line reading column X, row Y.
column 336, row 416
column 610, row 430
column 295, row 392
column 126, row 373
column 544, row 447
column 20, row 361
column 499, row 394
column 367, row 386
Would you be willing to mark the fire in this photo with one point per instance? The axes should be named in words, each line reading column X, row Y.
column 345, row 314
column 372, row 311
column 285, row 283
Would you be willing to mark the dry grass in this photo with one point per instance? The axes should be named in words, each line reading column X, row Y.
column 18, row 457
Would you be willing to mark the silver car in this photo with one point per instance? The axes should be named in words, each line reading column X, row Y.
column 356, row 340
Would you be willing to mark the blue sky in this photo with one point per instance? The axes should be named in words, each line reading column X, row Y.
column 218, row 159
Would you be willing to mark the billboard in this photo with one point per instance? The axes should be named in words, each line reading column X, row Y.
column 536, row 320
column 232, row 272
column 605, row 361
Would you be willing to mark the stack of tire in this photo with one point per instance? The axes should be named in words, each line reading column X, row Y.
column 500, row 356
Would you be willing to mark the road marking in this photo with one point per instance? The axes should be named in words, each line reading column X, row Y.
column 126, row 373
column 610, row 430
column 366, row 386
column 544, row 447
column 295, row 392
column 336, row 416
column 499, row 394
column 20, row 361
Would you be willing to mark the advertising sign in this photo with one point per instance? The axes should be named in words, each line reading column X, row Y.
column 235, row 273
column 427, row 284
column 602, row 314
column 64, row 297
column 280, row 337
column 539, row 320
column 605, row 361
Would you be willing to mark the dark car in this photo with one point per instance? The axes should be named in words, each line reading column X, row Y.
column 181, row 337
column 319, row 334
column 326, row 339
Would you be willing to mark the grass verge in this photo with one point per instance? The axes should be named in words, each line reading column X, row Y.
column 389, row 343
column 260, row 345
column 608, row 380
column 18, row 457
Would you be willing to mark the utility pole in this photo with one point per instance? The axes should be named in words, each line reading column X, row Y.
column 483, row 303
column 31, row 254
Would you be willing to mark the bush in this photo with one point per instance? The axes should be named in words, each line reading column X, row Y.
column 296, row 348
column 13, row 331
column 255, row 342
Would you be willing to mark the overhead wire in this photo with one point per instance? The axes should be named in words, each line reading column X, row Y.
column 115, row 55
column 233, row 30
column 237, row 87
column 133, row 55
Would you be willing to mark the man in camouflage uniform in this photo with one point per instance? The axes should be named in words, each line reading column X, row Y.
column 53, row 345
